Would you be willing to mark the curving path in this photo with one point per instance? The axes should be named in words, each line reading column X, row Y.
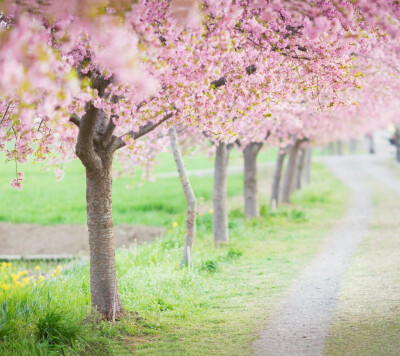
column 300, row 325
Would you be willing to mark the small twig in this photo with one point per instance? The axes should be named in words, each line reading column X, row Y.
column 5, row 114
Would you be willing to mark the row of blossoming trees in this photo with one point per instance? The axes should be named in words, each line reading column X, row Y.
column 98, row 79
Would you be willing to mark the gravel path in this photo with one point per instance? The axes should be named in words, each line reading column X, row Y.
column 300, row 325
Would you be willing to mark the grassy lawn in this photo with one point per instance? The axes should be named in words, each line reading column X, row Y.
column 46, row 201
column 367, row 320
column 215, row 307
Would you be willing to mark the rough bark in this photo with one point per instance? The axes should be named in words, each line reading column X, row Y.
column 288, row 179
column 277, row 179
column 220, row 212
column 104, row 294
column 250, row 153
column 190, row 199
column 307, row 166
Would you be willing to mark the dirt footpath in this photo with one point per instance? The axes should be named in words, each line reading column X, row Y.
column 29, row 239
column 301, row 323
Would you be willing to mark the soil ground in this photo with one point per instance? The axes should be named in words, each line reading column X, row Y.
column 29, row 239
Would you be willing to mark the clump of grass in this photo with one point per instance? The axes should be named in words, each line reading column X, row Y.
column 297, row 215
column 289, row 214
column 210, row 266
column 234, row 253
column 58, row 330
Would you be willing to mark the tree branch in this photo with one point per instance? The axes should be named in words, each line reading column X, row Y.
column 75, row 120
column 108, row 132
column 143, row 130
column 84, row 146
column 6, row 112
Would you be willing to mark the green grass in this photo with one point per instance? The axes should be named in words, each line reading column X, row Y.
column 214, row 308
column 45, row 201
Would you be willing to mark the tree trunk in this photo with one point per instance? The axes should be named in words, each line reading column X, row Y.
column 299, row 168
column 339, row 144
column 353, row 146
column 97, row 157
column 190, row 199
column 307, row 166
column 371, row 143
column 331, row 148
column 220, row 214
column 397, row 142
column 277, row 179
column 103, row 284
column 250, row 153
column 289, row 173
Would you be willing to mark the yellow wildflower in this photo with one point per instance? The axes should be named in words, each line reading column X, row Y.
column 26, row 280
column 211, row 211
column 175, row 224
column 37, row 268
column 4, row 286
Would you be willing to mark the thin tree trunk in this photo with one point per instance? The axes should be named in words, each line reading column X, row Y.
column 307, row 166
column 220, row 212
column 397, row 142
column 289, row 173
column 104, row 294
column 277, row 179
column 299, row 168
column 331, row 148
column 339, row 144
column 250, row 153
column 353, row 146
column 371, row 143
column 190, row 199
